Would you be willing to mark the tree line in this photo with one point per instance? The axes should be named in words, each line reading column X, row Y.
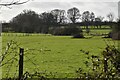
column 56, row 21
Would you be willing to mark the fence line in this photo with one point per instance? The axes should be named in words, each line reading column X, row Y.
column 11, row 56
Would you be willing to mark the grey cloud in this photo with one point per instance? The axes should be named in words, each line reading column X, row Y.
column 77, row 0
column 99, row 8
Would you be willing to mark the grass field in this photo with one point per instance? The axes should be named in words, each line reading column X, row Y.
column 58, row 55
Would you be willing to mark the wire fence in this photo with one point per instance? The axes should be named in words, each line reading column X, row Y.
column 91, row 33
column 10, row 62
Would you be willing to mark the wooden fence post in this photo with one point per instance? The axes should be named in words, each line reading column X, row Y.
column 21, row 63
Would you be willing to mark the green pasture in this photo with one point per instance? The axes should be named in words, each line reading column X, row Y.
column 57, row 56
column 97, row 31
column 96, row 27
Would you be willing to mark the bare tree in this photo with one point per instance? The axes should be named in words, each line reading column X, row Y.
column 110, row 17
column 98, row 21
column 86, row 18
column 92, row 17
column 73, row 14
column 101, row 18
column 47, row 20
column 59, row 15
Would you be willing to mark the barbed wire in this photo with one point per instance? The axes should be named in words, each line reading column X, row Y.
column 15, row 74
column 6, row 51
column 9, row 68
column 11, row 56
column 12, row 48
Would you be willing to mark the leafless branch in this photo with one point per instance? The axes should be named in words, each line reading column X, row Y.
column 13, row 3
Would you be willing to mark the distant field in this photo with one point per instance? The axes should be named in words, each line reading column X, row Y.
column 59, row 55
column 95, row 27
column 98, row 31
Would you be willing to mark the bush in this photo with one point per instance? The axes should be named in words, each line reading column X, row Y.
column 116, row 36
column 65, row 31
column 105, row 67
column 109, row 35
column 78, row 36
column 116, row 31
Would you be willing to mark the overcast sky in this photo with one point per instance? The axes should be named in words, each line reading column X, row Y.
column 99, row 7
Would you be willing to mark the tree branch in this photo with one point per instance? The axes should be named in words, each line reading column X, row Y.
column 13, row 3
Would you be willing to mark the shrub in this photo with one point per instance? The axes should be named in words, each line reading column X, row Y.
column 109, row 35
column 78, row 36
column 105, row 67
column 66, row 31
column 116, row 36
column 116, row 31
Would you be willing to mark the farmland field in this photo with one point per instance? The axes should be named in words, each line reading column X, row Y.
column 58, row 55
